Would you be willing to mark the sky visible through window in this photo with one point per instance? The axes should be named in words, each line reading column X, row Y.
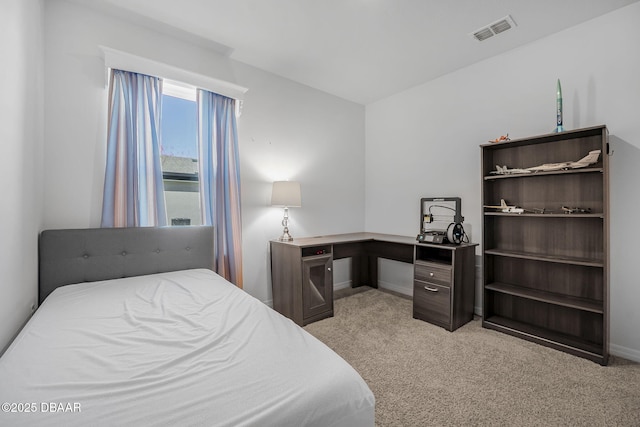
column 179, row 146
column 179, row 127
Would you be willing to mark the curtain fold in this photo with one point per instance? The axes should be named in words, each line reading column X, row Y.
column 219, row 170
column 133, row 187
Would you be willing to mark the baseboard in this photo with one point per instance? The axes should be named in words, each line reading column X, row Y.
column 625, row 352
column 342, row 285
column 404, row 290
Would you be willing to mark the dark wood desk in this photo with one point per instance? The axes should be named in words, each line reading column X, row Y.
column 302, row 276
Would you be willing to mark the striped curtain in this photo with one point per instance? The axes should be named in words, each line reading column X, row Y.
column 219, row 169
column 133, row 188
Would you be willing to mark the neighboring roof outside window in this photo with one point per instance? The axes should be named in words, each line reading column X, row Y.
column 179, row 168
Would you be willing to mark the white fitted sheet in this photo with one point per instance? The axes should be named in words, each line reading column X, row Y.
column 180, row 348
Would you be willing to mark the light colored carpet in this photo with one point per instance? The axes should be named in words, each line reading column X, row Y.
column 422, row 375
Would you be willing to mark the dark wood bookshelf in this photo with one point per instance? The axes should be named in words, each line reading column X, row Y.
column 546, row 272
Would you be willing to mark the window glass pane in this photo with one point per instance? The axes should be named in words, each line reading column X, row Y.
column 180, row 161
column 179, row 127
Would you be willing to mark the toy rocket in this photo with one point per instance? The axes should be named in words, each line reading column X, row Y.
column 560, row 128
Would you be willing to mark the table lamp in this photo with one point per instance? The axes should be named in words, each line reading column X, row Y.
column 286, row 194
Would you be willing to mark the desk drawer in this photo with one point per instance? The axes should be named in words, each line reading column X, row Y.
column 432, row 272
column 432, row 303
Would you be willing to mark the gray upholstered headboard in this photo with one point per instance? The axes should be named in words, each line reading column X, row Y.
column 89, row 255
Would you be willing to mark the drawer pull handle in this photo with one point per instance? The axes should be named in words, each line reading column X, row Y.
column 430, row 289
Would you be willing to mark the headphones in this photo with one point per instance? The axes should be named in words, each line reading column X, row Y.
column 455, row 233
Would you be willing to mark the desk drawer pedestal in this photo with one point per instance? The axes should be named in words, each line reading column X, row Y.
column 432, row 303
column 444, row 285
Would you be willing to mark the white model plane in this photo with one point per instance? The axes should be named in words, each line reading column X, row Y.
column 587, row 160
column 503, row 170
column 506, row 208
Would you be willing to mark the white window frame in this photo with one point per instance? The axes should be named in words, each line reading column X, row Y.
column 129, row 62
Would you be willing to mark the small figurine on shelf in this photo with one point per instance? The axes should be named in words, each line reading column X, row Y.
column 502, row 138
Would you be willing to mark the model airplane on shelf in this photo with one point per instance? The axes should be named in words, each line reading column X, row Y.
column 587, row 160
column 575, row 210
column 506, row 208
column 503, row 170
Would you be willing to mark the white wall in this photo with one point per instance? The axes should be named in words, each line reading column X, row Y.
column 21, row 124
column 286, row 131
column 425, row 141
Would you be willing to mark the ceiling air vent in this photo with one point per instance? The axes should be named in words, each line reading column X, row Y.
column 494, row 28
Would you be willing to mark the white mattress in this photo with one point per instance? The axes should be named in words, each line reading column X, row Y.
column 180, row 348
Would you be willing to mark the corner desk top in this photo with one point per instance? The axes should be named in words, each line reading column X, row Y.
column 363, row 237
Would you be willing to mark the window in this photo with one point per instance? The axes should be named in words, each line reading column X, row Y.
column 179, row 154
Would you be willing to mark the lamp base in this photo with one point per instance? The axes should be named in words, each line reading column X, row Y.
column 286, row 237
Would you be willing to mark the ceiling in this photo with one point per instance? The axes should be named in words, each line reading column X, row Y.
column 359, row 50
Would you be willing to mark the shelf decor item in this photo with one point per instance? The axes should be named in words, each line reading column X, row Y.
column 559, row 127
column 546, row 267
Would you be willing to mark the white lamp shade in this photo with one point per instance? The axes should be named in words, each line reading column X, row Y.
column 286, row 193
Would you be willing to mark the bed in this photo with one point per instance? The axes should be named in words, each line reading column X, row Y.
column 135, row 329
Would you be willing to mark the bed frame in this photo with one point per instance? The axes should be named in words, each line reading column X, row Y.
column 88, row 255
